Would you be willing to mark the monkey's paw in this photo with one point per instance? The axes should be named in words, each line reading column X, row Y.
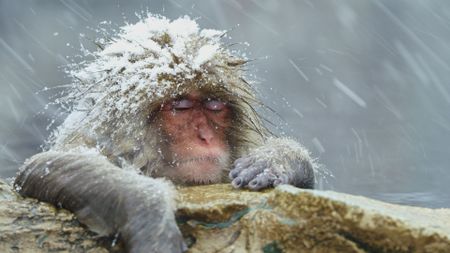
column 279, row 161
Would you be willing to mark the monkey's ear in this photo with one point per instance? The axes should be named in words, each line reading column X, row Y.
column 153, row 109
column 236, row 62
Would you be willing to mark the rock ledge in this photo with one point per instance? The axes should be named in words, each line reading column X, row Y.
column 218, row 218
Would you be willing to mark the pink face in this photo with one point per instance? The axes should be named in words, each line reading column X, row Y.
column 196, row 128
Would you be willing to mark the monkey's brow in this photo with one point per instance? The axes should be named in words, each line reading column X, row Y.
column 210, row 98
column 201, row 99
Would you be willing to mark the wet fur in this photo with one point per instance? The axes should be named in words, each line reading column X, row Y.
column 108, row 199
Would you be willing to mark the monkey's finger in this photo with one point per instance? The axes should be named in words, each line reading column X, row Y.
column 234, row 173
column 263, row 180
column 282, row 179
column 239, row 165
column 248, row 174
column 242, row 160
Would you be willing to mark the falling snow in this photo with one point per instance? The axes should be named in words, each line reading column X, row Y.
column 362, row 84
column 351, row 94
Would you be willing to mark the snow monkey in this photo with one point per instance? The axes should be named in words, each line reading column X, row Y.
column 159, row 103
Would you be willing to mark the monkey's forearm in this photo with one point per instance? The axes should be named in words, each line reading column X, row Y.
column 300, row 174
column 106, row 198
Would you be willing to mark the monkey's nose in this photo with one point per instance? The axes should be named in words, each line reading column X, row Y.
column 204, row 131
column 206, row 134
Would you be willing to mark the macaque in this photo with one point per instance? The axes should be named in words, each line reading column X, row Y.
column 163, row 103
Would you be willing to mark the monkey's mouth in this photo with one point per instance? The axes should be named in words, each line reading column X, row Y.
column 211, row 159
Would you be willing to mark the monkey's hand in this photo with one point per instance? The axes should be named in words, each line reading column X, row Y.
column 278, row 161
column 107, row 199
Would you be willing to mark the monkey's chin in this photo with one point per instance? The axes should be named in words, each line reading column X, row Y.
column 198, row 171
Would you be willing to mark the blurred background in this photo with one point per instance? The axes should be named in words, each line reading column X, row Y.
column 363, row 84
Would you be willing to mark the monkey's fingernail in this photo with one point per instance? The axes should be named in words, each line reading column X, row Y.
column 237, row 182
column 253, row 183
column 233, row 174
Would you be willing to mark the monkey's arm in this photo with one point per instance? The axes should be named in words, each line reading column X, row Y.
column 278, row 161
column 106, row 198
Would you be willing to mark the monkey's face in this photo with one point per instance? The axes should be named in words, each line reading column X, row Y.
column 195, row 146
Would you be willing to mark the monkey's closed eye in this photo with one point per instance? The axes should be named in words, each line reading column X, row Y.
column 182, row 104
column 214, row 105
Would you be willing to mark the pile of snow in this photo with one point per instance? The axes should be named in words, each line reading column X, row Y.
column 141, row 53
